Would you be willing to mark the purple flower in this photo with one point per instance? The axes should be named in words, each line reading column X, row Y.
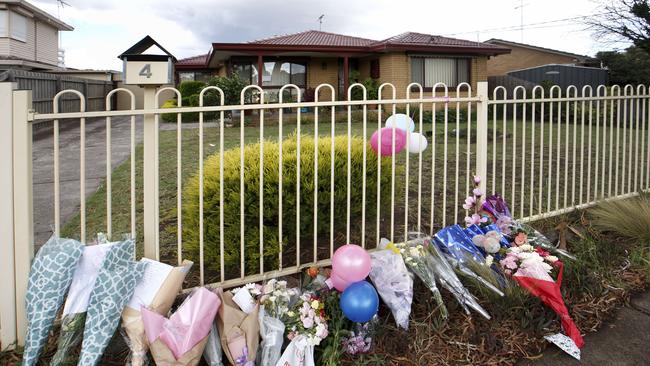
column 477, row 179
column 477, row 192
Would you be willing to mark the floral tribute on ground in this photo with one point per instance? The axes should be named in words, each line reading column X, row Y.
column 331, row 313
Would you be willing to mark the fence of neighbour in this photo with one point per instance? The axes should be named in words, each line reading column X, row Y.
column 547, row 154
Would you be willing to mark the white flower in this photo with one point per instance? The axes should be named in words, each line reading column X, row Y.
column 491, row 245
column 526, row 247
column 488, row 260
column 551, row 258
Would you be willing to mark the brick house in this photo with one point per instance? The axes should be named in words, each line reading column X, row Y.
column 29, row 37
column 524, row 56
column 310, row 58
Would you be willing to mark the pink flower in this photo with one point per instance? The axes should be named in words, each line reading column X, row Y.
column 477, row 192
column 291, row 335
column 510, row 261
column 470, row 201
column 475, row 219
column 477, row 179
column 307, row 322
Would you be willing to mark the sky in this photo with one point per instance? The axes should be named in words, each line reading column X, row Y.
column 105, row 28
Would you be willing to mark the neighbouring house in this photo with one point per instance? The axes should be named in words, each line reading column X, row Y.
column 310, row 58
column 524, row 56
column 29, row 37
column 529, row 65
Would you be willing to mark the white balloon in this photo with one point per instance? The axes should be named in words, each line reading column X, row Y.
column 417, row 143
column 401, row 121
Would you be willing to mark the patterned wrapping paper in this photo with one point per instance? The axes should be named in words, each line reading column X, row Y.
column 76, row 304
column 49, row 279
column 113, row 288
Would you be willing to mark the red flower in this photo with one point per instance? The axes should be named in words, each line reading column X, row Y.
column 542, row 252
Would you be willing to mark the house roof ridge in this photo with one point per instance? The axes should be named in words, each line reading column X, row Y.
column 526, row 45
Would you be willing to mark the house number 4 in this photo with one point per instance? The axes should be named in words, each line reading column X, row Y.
column 146, row 71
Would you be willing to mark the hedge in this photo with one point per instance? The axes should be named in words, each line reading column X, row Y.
column 271, row 194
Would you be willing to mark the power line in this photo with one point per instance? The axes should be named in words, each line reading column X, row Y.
column 527, row 26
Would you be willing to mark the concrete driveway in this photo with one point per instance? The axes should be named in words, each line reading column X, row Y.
column 43, row 166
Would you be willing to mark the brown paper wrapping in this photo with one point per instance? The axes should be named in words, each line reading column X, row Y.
column 164, row 357
column 233, row 323
column 162, row 302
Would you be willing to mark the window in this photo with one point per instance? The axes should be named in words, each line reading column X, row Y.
column 274, row 73
column 18, row 26
column 428, row 71
column 4, row 23
column 185, row 76
column 374, row 69
column 279, row 73
column 246, row 72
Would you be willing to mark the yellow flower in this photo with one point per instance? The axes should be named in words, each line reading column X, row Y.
column 315, row 304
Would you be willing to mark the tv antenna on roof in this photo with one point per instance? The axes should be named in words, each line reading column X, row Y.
column 60, row 4
column 521, row 26
column 320, row 21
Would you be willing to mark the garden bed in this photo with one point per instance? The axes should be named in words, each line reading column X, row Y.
column 608, row 271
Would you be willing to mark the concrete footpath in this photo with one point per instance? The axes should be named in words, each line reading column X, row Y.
column 622, row 341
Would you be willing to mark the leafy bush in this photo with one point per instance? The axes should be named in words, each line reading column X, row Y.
column 231, row 208
column 188, row 88
column 171, row 117
column 231, row 86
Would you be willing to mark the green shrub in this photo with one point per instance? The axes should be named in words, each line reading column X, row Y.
column 188, row 88
column 271, row 212
column 171, row 117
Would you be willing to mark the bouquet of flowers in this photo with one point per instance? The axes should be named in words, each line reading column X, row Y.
column 307, row 319
column 497, row 210
column 275, row 299
column 307, row 326
column 421, row 264
column 532, row 268
column 358, row 341
column 471, row 204
column 393, row 282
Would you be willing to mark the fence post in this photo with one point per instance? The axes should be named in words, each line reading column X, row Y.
column 7, row 264
column 22, row 203
column 150, row 175
column 482, row 133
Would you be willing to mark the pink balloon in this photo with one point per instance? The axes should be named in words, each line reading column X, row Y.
column 387, row 141
column 351, row 263
column 339, row 283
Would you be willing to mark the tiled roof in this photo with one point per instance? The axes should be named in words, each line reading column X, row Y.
column 420, row 39
column 543, row 49
column 194, row 60
column 316, row 38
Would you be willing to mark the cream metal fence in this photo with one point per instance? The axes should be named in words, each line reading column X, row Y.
column 547, row 154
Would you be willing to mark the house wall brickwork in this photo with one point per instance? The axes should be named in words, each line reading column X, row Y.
column 523, row 58
column 322, row 70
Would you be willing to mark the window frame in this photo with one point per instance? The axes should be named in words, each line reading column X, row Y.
column 11, row 26
column 4, row 13
column 455, row 58
column 253, row 65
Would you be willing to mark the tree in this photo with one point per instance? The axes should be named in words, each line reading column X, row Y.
column 629, row 67
column 626, row 20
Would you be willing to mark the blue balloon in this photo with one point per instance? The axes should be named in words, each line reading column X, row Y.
column 359, row 302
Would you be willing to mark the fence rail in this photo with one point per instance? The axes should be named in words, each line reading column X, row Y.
column 293, row 181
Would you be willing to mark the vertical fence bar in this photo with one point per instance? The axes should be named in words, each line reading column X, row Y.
column 618, row 135
column 541, row 153
column 591, row 104
column 482, row 133
column 150, row 176
column 22, row 204
column 7, row 261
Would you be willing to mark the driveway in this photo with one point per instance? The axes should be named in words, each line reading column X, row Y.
column 43, row 166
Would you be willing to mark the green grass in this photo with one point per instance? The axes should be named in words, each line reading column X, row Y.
column 441, row 196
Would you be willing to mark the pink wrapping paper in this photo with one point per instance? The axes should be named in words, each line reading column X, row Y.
column 188, row 326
